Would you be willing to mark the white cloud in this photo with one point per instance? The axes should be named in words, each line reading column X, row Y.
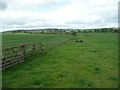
column 74, row 14
column 30, row 4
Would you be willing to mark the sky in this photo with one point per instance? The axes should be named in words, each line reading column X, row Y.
column 67, row 14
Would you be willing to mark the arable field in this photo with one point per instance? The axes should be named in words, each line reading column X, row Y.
column 90, row 60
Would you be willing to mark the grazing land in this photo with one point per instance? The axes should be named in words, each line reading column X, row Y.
column 10, row 40
column 88, row 60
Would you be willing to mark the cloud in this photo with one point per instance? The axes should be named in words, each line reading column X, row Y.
column 32, row 4
column 65, row 14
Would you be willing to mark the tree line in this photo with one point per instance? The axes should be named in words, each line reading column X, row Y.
column 67, row 31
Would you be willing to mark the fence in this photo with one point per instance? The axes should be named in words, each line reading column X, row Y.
column 15, row 55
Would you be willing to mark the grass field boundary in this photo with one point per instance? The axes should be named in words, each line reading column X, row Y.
column 17, row 54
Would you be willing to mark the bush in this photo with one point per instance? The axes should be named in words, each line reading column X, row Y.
column 74, row 33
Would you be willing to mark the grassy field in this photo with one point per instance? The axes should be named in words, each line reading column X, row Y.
column 92, row 63
column 10, row 40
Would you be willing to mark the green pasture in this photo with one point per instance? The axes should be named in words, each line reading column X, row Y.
column 9, row 40
column 89, row 60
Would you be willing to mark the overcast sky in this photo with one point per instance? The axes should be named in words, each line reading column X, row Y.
column 16, row 14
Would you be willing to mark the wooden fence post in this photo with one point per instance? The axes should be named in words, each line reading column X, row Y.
column 22, row 49
column 3, row 63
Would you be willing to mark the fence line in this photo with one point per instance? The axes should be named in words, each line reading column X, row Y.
column 14, row 55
